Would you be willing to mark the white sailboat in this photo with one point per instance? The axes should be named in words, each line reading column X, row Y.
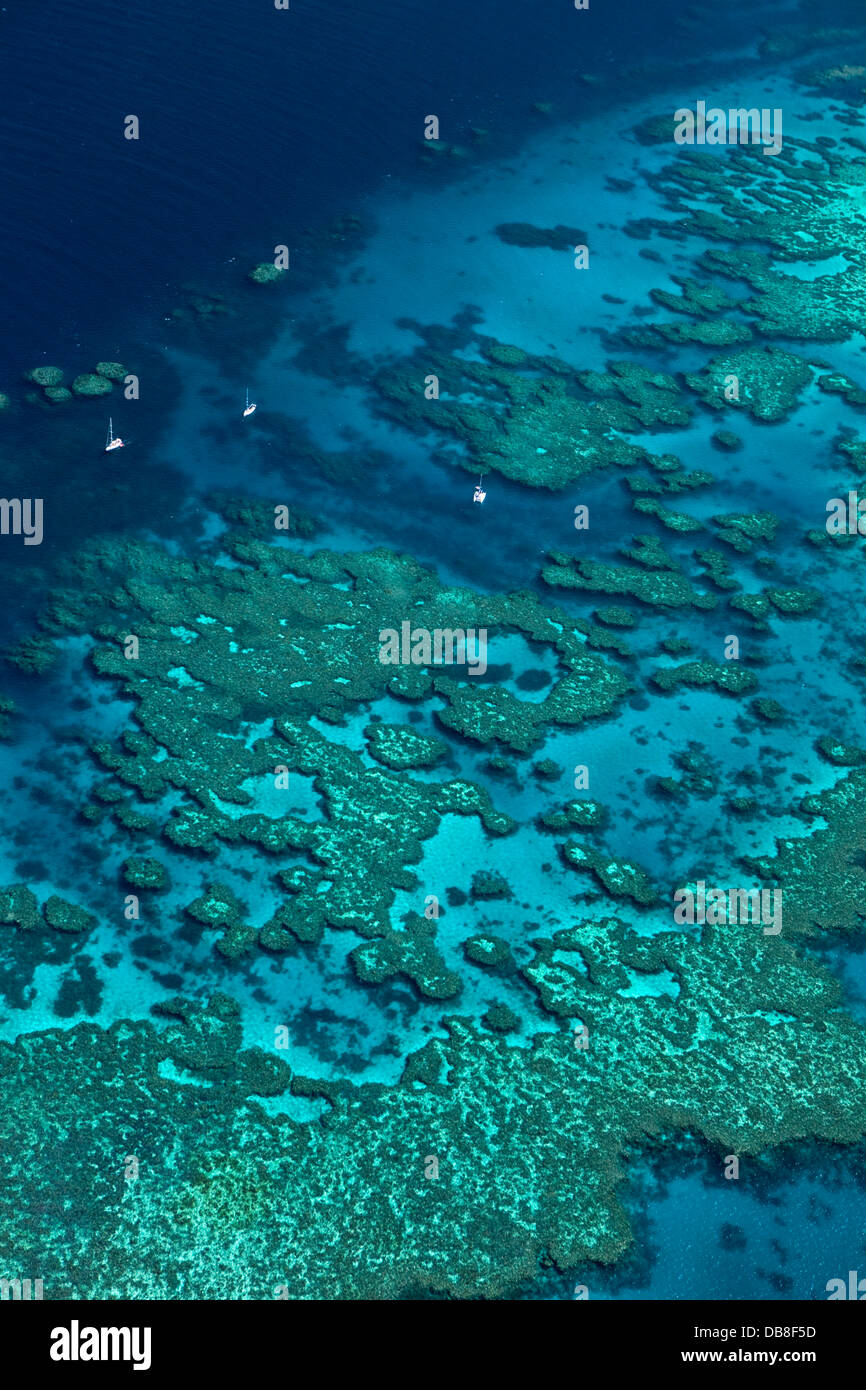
column 112, row 442
column 480, row 493
column 250, row 408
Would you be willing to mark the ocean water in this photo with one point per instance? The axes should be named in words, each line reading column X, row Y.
column 305, row 128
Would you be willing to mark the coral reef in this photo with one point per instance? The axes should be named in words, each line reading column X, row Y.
column 91, row 384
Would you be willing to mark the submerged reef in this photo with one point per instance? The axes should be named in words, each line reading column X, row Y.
column 351, row 1207
column 18, row 905
column 411, row 952
column 498, row 1143
column 664, row 588
column 541, row 430
column 45, row 376
column 400, row 747
column 300, row 635
column 545, row 423
column 95, row 383
column 265, row 273
column 91, row 384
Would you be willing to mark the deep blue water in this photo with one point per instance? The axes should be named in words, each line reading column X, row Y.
column 256, row 123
